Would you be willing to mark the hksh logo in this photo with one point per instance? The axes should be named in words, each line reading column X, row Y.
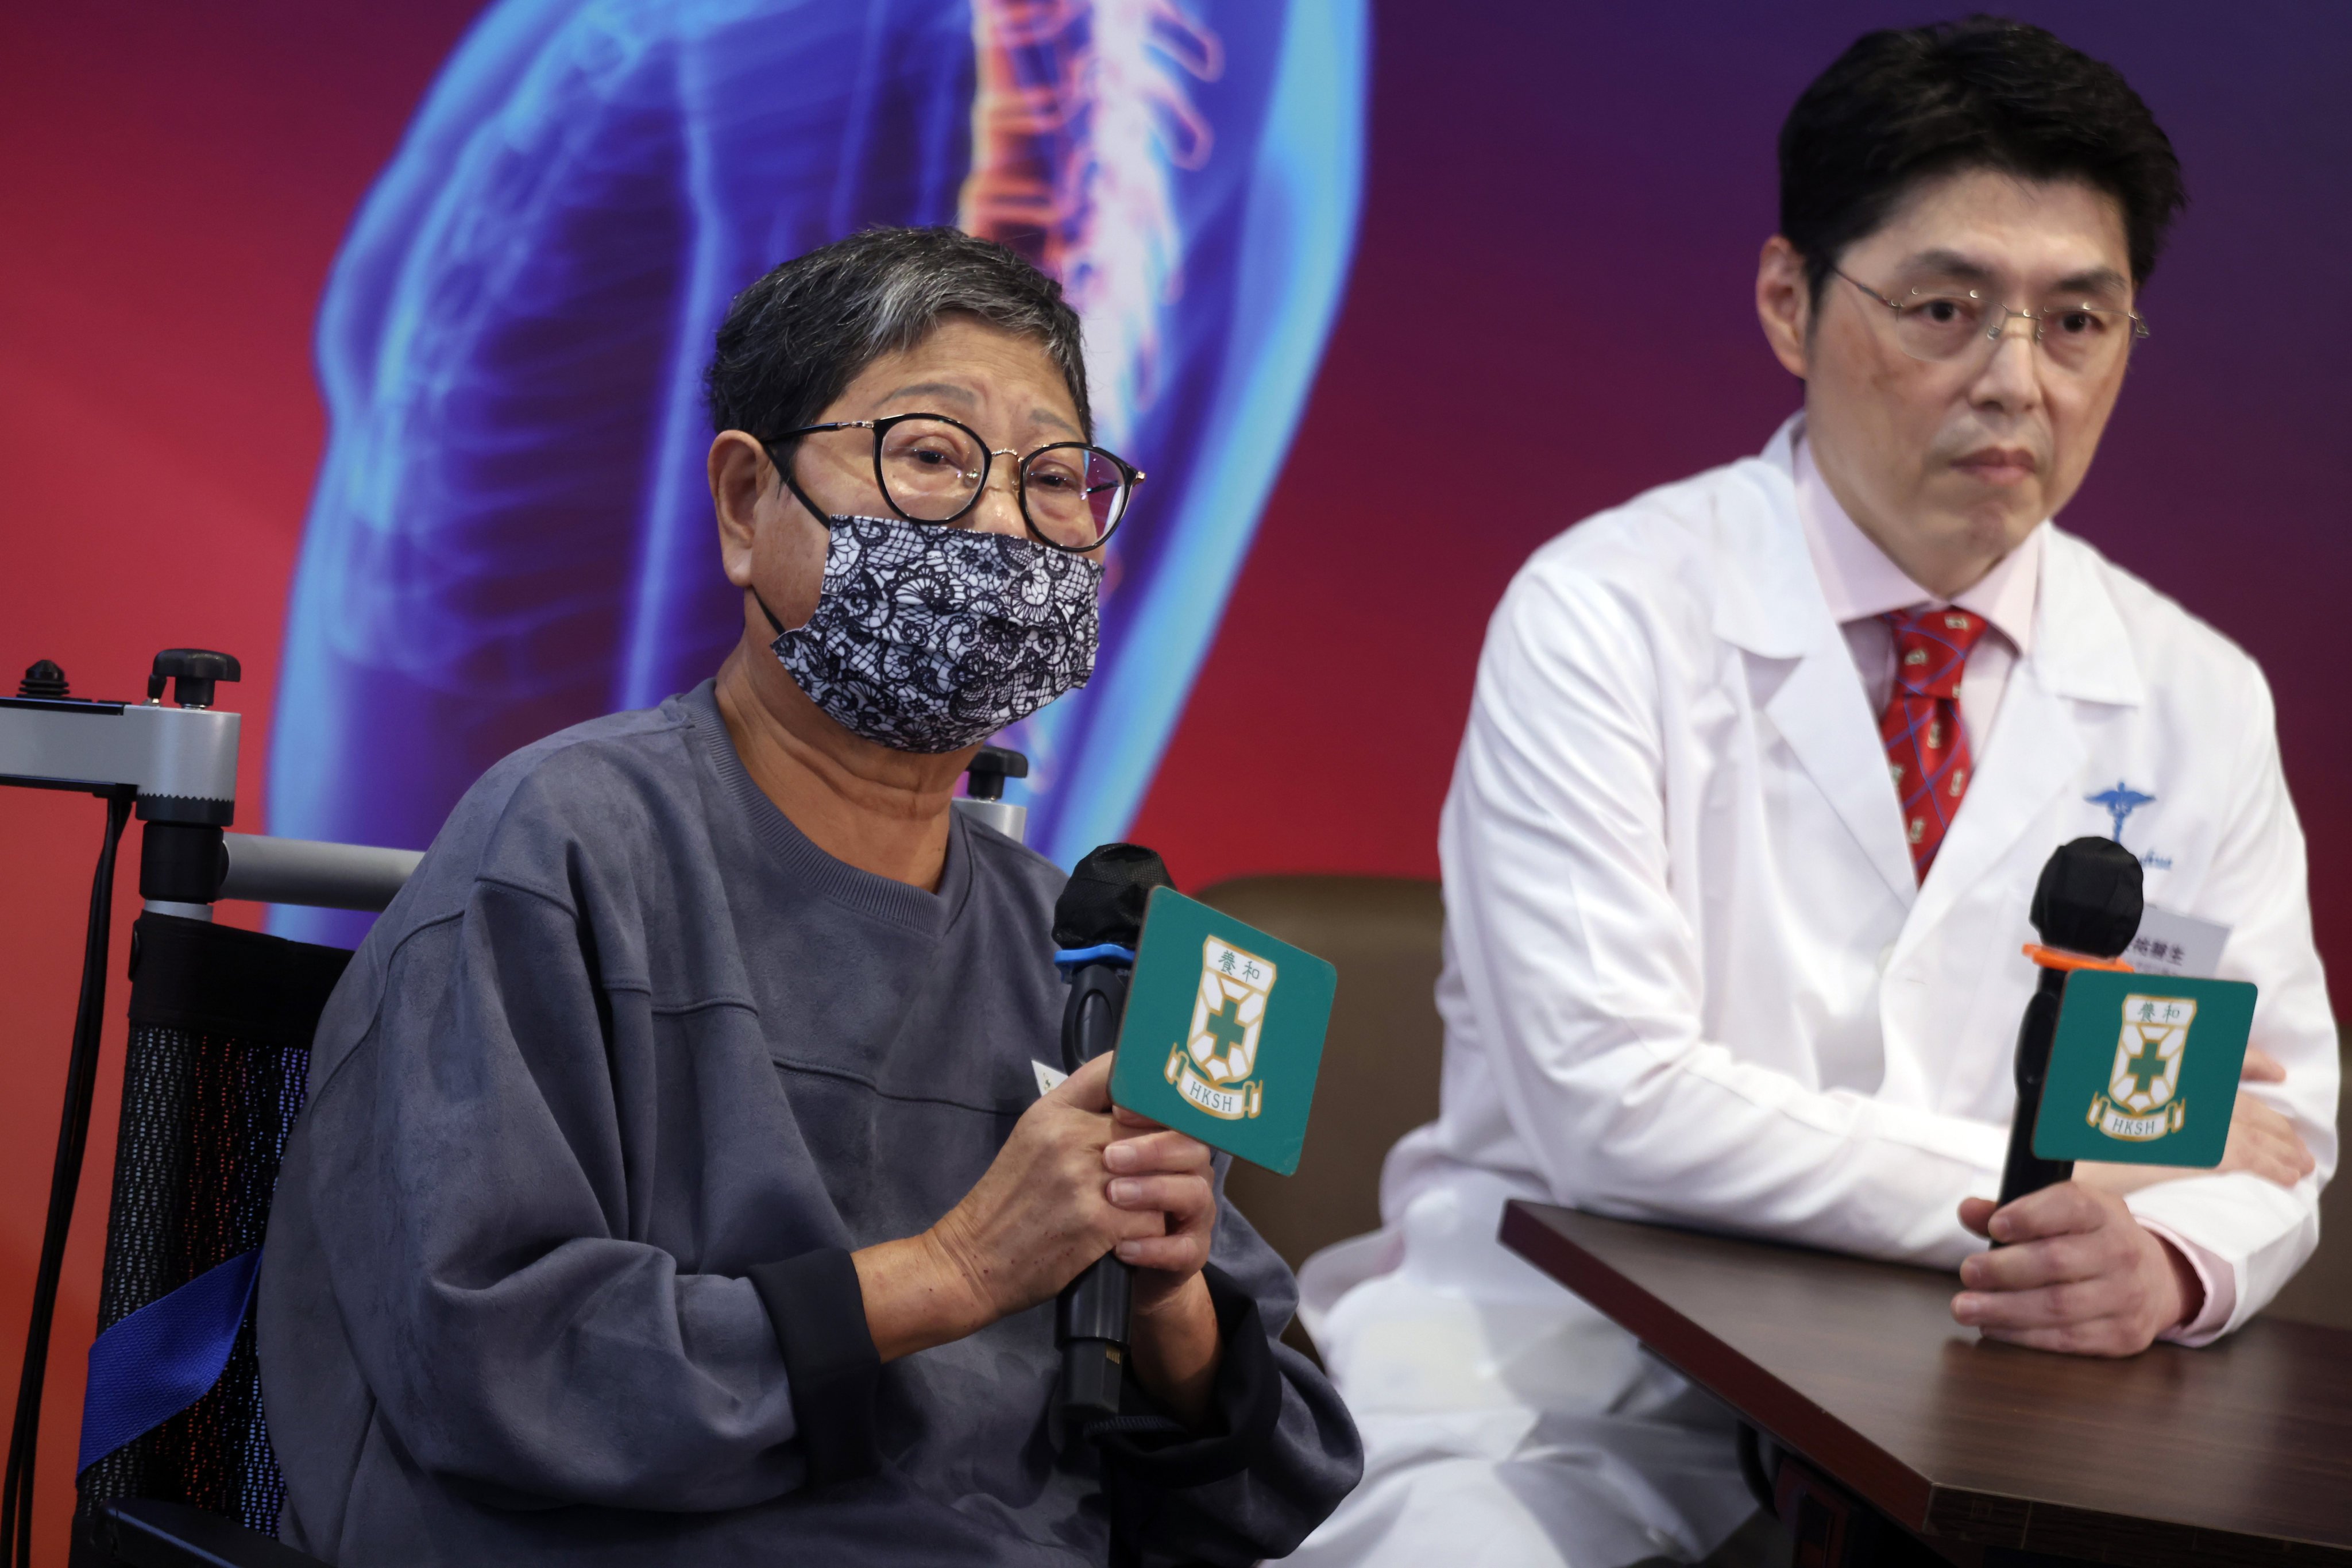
column 2143, row 1101
column 1215, row 1064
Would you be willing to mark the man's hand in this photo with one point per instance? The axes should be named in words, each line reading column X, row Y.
column 1037, row 1217
column 1172, row 1336
column 2263, row 1142
column 2075, row 1272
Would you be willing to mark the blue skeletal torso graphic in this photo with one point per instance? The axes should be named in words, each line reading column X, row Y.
column 511, row 531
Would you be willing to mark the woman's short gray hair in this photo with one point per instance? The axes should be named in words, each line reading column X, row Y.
column 795, row 339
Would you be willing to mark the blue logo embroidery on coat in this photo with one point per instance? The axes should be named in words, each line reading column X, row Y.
column 2120, row 802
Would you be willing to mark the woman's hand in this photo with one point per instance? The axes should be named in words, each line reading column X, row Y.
column 1036, row 1217
column 1156, row 1171
column 1074, row 1180
column 1173, row 1339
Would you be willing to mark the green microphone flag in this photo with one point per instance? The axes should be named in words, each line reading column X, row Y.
column 1223, row 1032
column 2144, row 1069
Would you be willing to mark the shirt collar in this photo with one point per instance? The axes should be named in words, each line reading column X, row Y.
column 1859, row 581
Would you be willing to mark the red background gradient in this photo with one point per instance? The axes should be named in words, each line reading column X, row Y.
column 1550, row 312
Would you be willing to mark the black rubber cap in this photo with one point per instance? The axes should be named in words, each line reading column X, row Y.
column 989, row 768
column 2089, row 899
column 42, row 679
column 1104, row 900
column 192, row 671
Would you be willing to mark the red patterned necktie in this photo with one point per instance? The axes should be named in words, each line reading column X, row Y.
column 1926, row 746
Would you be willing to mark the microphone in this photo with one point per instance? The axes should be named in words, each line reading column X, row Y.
column 1097, row 921
column 2086, row 907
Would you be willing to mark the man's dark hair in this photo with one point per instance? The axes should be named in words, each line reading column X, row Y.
column 1907, row 104
column 795, row 338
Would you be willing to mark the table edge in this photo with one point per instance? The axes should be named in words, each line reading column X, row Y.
column 1885, row 1482
column 1930, row 1511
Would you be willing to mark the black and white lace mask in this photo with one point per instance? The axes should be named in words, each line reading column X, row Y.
column 929, row 639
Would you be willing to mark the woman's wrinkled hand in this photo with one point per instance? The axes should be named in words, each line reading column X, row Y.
column 1077, row 1179
column 1156, row 1171
column 1038, row 1215
column 1173, row 1337
column 1044, row 1208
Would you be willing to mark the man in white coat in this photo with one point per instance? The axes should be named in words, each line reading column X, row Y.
column 1761, row 770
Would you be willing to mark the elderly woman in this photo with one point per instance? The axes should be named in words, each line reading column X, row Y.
column 675, row 1186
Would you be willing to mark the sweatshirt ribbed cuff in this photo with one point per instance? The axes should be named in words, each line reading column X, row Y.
column 819, row 1314
column 1247, row 1401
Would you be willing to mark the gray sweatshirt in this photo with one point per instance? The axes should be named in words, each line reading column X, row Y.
column 558, row 1267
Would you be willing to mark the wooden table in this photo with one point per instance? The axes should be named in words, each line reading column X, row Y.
column 2238, row 1453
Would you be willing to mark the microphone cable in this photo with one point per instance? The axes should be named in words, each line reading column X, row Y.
column 65, row 1181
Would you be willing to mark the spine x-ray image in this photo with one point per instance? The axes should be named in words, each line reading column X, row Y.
column 511, row 530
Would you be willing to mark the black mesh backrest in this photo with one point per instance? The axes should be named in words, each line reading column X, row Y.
column 221, row 1021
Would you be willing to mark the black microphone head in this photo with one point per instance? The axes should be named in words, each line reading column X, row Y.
column 2089, row 897
column 1104, row 900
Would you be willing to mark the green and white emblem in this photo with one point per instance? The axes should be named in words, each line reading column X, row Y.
column 1208, row 1047
column 2122, row 1049
column 1213, row 1066
column 2142, row 1099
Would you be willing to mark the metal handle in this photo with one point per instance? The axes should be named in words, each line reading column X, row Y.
column 322, row 876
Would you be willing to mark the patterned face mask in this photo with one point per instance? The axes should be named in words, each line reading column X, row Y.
column 928, row 638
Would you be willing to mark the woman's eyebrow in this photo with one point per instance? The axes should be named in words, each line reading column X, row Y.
column 934, row 389
column 1039, row 415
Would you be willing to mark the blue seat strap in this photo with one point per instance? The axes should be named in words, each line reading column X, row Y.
column 163, row 1357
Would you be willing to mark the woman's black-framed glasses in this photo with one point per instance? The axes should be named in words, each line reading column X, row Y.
column 933, row 469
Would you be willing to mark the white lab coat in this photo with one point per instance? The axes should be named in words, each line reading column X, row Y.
column 1689, row 977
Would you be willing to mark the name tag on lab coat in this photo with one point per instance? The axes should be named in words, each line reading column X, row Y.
column 2167, row 943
